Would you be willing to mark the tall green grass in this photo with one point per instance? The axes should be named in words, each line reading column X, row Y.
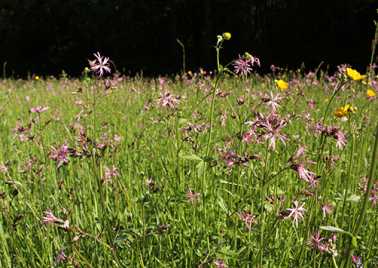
column 143, row 218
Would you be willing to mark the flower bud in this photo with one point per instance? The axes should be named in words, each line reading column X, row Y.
column 226, row 36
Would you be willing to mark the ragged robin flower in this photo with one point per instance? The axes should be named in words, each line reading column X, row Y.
column 355, row 75
column 281, row 84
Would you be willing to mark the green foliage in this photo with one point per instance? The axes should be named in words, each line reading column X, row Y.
column 176, row 199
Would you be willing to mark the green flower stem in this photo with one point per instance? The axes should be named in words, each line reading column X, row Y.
column 369, row 184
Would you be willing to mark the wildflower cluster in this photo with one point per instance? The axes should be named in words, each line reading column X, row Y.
column 322, row 244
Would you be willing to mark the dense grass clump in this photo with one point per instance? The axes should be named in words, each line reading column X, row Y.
column 195, row 171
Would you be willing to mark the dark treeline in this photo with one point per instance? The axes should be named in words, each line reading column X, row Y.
column 46, row 37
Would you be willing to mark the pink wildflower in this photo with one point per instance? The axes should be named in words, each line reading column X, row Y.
column 60, row 155
column 99, row 65
column 192, row 196
column 311, row 104
column 339, row 136
column 61, row 257
column 323, row 245
column 248, row 218
column 272, row 101
column 249, row 135
column 50, row 218
column 39, row 109
column 316, row 242
column 327, row 209
column 242, row 66
column 110, row 173
column 231, row 159
column 357, row 261
column 303, row 173
column 220, row 263
column 168, row 100
column 3, row 168
column 162, row 82
column 296, row 213
column 334, row 132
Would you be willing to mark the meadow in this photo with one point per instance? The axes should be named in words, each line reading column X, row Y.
column 198, row 170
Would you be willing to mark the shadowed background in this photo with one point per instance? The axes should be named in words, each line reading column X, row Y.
column 46, row 37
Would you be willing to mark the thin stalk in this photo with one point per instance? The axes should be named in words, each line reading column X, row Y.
column 369, row 184
column 183, row 55
column 212, row 105
column 373, row 47
column 322, row 139
column 346, row 190
column 362, row 213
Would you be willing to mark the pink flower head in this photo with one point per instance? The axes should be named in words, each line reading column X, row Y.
column 192, row 196
column 339, row 136
column 316, row 242
column 373, row 198
column 272, row 101
column 220, row 263
column 296, row 213
column 3, row 168
column 357, row 261
column 231, row 159
column 298, row 154
column 332, row 131
column 272, row 126
column 311, row 104
column 100, row 65
column 60, row 155
column 61, row 257
column 50, row 218
column 242, row 66
column 249, row 136
column 168, row 100
column 39, row 109
column 248, row 218
column 110, row 173
column 162, row 82
column 327, row 209
column 303, row 173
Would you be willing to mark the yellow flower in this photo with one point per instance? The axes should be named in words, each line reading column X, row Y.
column 226, row 36
column 350, row 108
column 371, row 93
column 355, row 75
column 340, row 112
column 343, row 111
column 281, row 84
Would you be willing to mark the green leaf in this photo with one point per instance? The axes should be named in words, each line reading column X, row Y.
column 200, row 168
column 336, row 230
column 354, row 242
column 191, row 157
column 353, row 198
column 183, row 121
column 222, row 205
